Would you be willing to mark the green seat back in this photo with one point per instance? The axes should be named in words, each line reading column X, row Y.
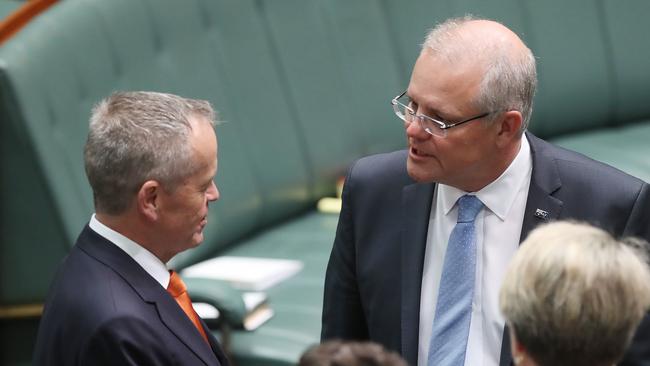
column 626, row 25
column 575, row 80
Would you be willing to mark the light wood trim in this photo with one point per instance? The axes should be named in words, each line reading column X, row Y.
column 23, row 15
column 21, row 311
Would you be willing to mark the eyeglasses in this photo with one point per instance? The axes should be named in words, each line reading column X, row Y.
column 431, row 125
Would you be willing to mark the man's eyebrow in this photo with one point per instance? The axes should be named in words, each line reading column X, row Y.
column 431, row 112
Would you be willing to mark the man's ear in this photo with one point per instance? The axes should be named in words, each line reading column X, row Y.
column 149, row 199
column 508, row 127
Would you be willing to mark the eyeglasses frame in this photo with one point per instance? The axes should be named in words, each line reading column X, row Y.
column 441, row 125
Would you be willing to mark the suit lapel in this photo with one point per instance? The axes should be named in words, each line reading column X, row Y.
column 149, row 290
column 416, row 207
column 541, row 206
column 178, row 323
column 215, row 345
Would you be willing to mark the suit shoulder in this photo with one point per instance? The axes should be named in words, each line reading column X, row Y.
column 382, row 168
column 91, row 289
column 575, row 166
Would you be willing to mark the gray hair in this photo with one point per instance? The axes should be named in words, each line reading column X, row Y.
column 137, row 136
column 510, row 78
column 574, row 295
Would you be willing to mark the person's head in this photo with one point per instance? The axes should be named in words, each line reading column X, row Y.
column 151, row 157
column 468, row 68
column 340, row 353
column 573, row 295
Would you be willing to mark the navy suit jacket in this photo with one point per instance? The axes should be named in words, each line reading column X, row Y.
column 374, row 276
column 104, row 309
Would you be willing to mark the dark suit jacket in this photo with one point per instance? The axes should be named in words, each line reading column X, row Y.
column 373, row 280
column 104, row 309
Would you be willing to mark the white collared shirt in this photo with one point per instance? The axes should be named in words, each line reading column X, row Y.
column 149, row 262
column 498, row 228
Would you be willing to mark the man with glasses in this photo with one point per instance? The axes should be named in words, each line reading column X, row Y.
column 425, row 234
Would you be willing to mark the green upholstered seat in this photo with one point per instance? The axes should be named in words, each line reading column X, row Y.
column 626, row 148
column 327, row 79
column 575, row 81
column 296, row 301
column 626, row 36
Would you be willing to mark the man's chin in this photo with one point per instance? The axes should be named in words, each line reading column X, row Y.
column 418, row 174
column 197, row 239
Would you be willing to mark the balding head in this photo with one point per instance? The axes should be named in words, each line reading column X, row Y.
column 462, row 40
column 508, row 66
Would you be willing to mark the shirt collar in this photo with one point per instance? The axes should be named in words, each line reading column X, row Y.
column 499, row 195
column 147, row 260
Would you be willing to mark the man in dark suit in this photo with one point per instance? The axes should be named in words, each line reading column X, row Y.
column 151, row 159
column 465, row 113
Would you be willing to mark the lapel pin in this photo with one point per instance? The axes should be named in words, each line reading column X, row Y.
column 541, row 214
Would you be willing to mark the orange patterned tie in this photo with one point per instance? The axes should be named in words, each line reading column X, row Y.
column 177, row 289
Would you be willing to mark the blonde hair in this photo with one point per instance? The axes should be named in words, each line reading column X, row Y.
column 574, row 295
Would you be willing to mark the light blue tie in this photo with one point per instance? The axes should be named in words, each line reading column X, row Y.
column 454, row 306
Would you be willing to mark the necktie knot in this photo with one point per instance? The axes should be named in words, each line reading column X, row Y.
column 468, row 208
column 176, row 285
column 177, row 289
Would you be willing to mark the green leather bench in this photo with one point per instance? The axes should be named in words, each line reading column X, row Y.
column 304, row 90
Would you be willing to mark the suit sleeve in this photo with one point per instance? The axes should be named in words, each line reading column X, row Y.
column 638, row 225
column 343, row 315
column 124, row 341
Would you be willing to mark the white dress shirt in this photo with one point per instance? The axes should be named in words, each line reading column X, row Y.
column 149, row 262
column 498, row 228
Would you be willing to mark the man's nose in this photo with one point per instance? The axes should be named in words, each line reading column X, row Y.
column 213, row 192
column 415, row 130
